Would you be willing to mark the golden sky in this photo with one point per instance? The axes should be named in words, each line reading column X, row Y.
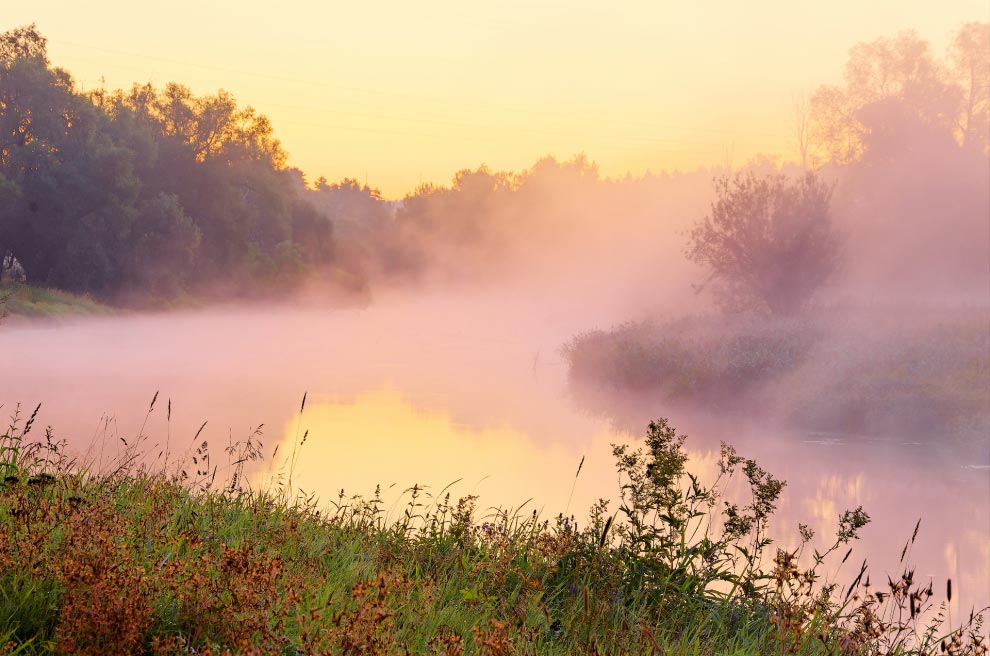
column 398, row 93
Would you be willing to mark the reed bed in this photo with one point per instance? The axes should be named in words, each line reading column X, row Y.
column 918, row 371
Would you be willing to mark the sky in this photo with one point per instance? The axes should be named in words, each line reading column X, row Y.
column 397, row 94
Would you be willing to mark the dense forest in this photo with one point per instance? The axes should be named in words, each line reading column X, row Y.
column 147, row 194
column 149, row 190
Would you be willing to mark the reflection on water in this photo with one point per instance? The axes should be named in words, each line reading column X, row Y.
column 380, row 437
column 438, row 389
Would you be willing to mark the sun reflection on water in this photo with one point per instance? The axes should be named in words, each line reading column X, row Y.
column 380, row 437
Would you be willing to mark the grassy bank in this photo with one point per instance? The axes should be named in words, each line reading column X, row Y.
column 138, row 561
column 18, row 300
column 919, row 371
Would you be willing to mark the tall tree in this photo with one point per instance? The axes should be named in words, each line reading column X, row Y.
column 893, row 87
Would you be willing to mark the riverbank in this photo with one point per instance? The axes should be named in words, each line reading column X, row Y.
column 174, row 559
column 32, row 302
column 915, row 371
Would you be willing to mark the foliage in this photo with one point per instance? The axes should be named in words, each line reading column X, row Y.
column 673, row 537
column 970, row 57
column 768, row 242
column 477, row 224
column 144, row 193
column 897, row 97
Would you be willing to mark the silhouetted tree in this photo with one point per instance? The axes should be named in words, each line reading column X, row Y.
column 898, row 96
column 768, row 243
column 970, row 57
column 24, row 42
column 910, row 131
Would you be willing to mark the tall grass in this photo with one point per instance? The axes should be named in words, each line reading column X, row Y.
column 30, row 301
column 133, row 559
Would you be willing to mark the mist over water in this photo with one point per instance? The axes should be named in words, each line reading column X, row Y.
column 466, row 387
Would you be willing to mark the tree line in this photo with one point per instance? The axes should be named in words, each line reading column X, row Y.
column 158, row 192
column 146, row 191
